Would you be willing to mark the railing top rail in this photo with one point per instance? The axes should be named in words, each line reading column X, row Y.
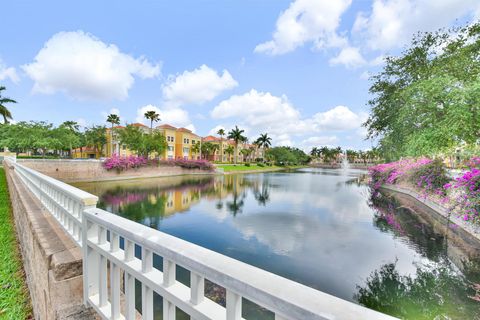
column 274, row 292
column 86, row 198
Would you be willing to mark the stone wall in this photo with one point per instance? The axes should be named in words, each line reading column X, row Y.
column 92, row 170
column 52, row 261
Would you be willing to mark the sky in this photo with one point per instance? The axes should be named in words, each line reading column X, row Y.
column 298, row 70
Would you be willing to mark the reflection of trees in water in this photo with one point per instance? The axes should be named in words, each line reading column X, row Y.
column 435, row 292
column 147, row 204
column 390, row 217
column 440, row 290
column 262, row 193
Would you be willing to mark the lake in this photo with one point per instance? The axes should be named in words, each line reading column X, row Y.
column 319, row 227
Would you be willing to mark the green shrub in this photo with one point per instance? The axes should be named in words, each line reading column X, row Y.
column 260, row 164
column 431, row 176
column 247, row 164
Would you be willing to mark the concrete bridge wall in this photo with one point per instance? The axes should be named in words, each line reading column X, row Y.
column 52, row 261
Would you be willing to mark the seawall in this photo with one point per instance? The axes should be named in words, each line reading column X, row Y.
column 92, row 170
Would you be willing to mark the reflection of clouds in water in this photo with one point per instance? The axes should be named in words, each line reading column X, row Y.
column 282, row 232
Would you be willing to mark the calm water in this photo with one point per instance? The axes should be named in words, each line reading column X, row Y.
column 318, row 227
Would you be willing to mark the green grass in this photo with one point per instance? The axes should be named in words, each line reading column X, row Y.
column 14, row 297
column 253, row 167
column 242, row 167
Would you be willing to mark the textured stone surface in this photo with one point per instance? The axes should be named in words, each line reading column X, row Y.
column 92, row 170
column 52, row 261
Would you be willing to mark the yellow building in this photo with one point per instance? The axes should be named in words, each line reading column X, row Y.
column 184, row 141
column 86, row 153
column 179, row 144
column 256, row 153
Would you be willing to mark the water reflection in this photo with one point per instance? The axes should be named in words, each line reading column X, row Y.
column 445, row 285
column 318, row 227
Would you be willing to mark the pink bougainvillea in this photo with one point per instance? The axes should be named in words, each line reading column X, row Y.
column 124, row 163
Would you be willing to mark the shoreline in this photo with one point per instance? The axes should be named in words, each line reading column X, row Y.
column 473, row 231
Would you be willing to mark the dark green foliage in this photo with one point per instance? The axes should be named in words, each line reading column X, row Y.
column 427, row 100
column 287, row 156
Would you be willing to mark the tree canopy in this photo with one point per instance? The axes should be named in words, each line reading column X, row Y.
column 427, row 100
column 138, row 141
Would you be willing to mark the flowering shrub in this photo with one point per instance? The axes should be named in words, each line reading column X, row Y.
column 124, row 163
column 431, row 176
column 466, row 191
column 187, row 164
column 390, row 173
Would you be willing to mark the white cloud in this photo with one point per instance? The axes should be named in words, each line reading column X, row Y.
column 196, row 87
column 314, row 21
column 8, row 73
column 365, row 75
column 213, row 131
column 173, row 116
column 339, row 118
column 84, row 67
column 320, row 140
column 350, row 57
column 392, row 23
column 263, row 112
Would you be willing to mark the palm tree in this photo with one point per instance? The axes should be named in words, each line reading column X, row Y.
column 152, row 116
column 237, row 136
column 229, row 150
column 314, row 152
column 221, row 133
column 3, row 110
column 264, row 141
column 114, row 120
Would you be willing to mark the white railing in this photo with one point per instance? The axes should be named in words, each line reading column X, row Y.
column 12, row 157
column 64, row 202
column 110, row 268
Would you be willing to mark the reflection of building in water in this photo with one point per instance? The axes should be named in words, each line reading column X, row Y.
column 166, row 196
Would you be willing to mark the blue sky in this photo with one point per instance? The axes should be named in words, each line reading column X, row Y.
column 295, row 69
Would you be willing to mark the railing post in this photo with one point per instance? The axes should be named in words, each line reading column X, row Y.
column 197, row 288
column 90, row 261
column 169, row 271
column 130, row 312
column 234, row 306
column 147, row 293
column 114, row 278
column 102, row 267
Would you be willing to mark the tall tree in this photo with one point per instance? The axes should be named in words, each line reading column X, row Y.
column 426, row 100
column 113, row 119
column 264, row 141
column 221, row 133
column 6, row 114
column 229, row 150
column 153, row 116
column 142, row 143
column 237, row 136
column 95, row 136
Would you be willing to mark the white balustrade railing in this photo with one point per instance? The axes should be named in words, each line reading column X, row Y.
column 111, row 267
column 64, row 202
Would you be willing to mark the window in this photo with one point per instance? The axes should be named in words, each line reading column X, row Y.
column 188, row 140
column 170, row 148
column 184, row 140
column 193, row 141
column 186, row 150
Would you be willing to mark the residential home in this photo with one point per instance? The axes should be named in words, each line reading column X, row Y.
column 170, row 136
column 184, row 141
